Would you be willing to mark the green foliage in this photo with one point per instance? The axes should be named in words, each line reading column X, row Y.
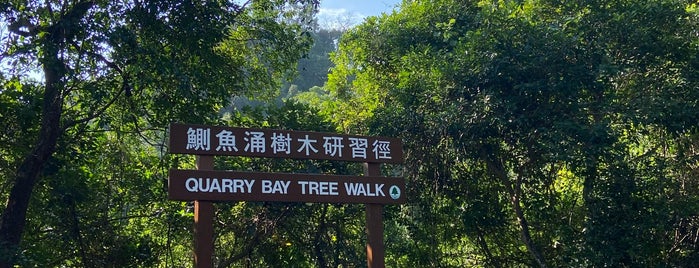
column 100, row 205
column 19, row 104
column 538, row 133
column 87, row 89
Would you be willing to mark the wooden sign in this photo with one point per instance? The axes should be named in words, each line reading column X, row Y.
column 219, row 140
column 190, row 185
column 206, row 185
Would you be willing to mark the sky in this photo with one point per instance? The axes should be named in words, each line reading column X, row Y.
column 338, row 13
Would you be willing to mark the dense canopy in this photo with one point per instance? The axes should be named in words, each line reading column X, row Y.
column 537, row 133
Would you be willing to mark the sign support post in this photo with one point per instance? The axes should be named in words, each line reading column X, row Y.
column 204, row 222
column 375, row 255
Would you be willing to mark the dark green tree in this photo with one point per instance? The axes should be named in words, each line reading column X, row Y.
column 313, row 69
column 81, row 77
column 538, row 133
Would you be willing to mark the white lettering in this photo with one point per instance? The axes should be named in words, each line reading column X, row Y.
column 266, row 186
column 281, row 143
column 227, row 185
column 198, row 139
column 256, row 142
column 332, row 188
column 355, row 189
column 382, row 149
column 188, row 184
column 278, row 187
column 249, row 184
column 318, row 187
column 226, row 141
column 238, row 186
column 284, row 186
column 363, row 189
column 219, row 185
column 379, row 189
column 201, row 185
column 303, row 186
column 215, row 186
column 312, row 187
column 359, row 146
column 306, row 144
column 333, row 146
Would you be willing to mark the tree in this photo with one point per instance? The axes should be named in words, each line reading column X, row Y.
column 313, row 69
column 528, row 125
column 124, row 68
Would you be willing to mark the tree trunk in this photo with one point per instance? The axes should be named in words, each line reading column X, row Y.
column 524, row 225
column 13, row 217
column 497, row 168
column 51, row 40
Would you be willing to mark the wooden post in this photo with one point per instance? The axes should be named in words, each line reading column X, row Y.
column 204, row 223
column 374, row 225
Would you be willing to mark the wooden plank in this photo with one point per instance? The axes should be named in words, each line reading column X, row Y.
column 283, row 187
column 221, row 140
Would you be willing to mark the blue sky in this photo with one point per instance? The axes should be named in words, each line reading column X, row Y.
column 336, row 12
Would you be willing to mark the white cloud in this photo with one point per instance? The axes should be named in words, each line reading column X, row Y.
column 338, row 18
column 331, row 11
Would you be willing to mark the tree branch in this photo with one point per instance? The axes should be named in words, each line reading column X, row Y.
column 125, row 88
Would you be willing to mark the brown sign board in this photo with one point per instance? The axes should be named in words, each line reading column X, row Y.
column 221, row 140
column 214, row 185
